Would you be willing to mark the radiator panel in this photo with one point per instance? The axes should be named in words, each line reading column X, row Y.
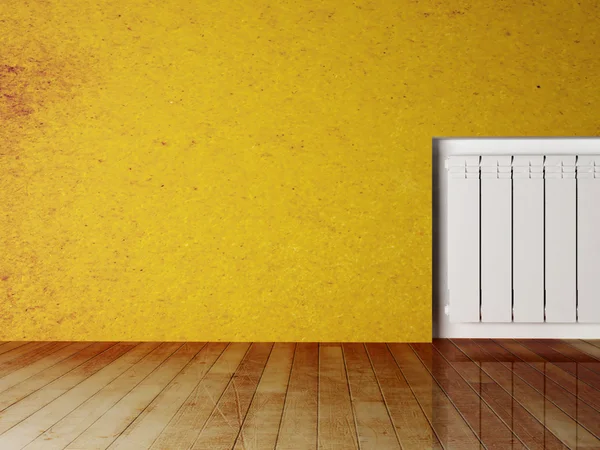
column 523, row 238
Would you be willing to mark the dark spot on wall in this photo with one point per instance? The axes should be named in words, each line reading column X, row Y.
column 37, row 80
column 34, row 82
column 13, row 98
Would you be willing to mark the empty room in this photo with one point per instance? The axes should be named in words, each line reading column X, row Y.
column 278, row 225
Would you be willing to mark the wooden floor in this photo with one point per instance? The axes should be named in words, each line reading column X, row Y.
column 459, row 394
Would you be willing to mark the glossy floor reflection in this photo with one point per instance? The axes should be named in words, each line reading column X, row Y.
column 452, row 394
column 519, row 394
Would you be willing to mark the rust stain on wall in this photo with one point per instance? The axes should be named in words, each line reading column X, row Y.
column 28, row 87
column 42, row 71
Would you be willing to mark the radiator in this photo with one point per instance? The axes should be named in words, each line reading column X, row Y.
column 523, row 238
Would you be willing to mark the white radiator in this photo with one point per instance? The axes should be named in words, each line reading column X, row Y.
column 524, row 238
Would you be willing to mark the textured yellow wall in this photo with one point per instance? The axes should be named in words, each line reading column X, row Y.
column 255, row 170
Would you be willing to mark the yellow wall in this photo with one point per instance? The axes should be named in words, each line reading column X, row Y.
column 255, row 170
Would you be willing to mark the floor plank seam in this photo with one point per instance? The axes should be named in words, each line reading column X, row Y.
column 130, row 390
column 352, row 401
column 219, row 398
column 252, row 399
column 544, row 395
column 157, row 395
column 508, row 393
column 490, row 407
column 556, row 383
column 439, row 438
column 445, row 395
column 189, row 395
column 286, row 395
column 52, row 381
column 449, row 398
column 61, row 395
column 387, row 408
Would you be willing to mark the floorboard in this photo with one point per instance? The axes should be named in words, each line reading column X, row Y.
column 224, row 424
column 10, row 346
column 564, row 362
column 26, row 420
column 29, row 358
column 450, row 427
column 460, row 394
column 20, row 352
column 183, row 429
column 32, row 384
column 526, row 415
column 492, row 432
column 583, row 359
column 374, row 424
column 261, row 427
column 146, row 428
column 298, row 429
column 585, row 347
column 147, row 384
column 337, row 424
column 552, row 370
column 553, row 402
column 594, row 342
column 412, row 427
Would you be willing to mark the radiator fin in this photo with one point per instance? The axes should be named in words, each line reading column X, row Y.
column 588, row 238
